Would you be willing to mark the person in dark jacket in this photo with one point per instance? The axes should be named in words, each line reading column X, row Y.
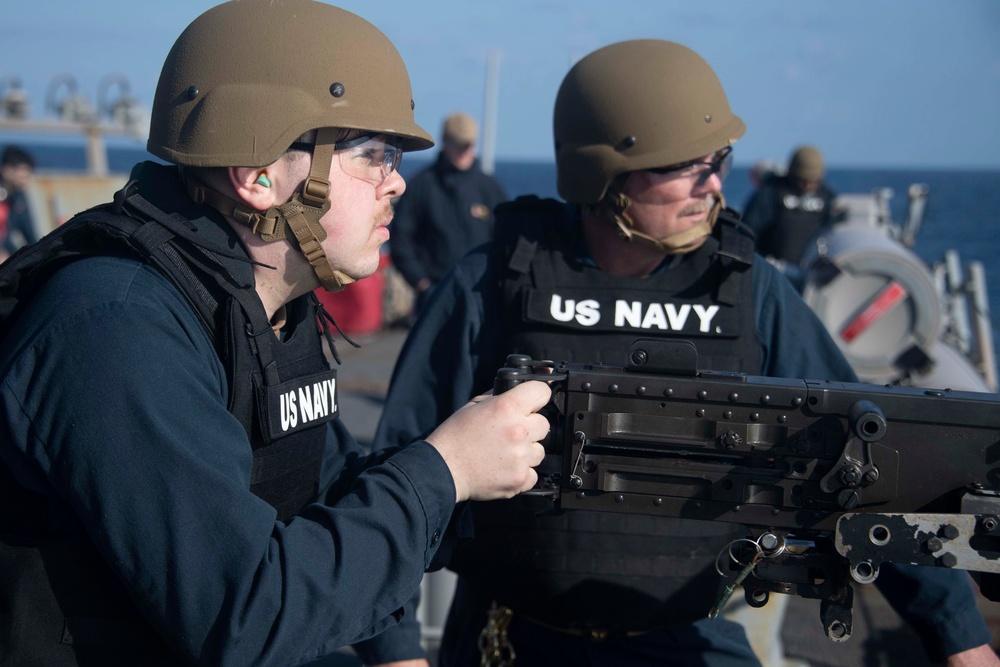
column 176, row 485
column 447, row 210
column 788, row 210
column 642, row 246
column 17, row 226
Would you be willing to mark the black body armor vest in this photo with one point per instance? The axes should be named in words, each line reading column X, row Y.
column 596, row 570
column 798, row 218
column 65, row 605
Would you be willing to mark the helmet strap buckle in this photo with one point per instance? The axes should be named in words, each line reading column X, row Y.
column 316, row 191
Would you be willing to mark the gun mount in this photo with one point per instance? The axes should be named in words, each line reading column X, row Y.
column 831, row 479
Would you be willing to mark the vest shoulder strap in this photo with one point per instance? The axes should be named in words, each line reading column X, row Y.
column 521, row 227
column 736, row 240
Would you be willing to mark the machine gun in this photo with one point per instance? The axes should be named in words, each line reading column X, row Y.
column 831, row 479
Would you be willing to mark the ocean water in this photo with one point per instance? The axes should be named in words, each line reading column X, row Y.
column 962, row 213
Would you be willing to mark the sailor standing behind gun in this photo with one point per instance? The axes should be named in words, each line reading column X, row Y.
column 643, row 246
column 789, row 210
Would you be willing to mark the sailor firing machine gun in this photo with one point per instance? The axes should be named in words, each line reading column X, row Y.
column 831, row 479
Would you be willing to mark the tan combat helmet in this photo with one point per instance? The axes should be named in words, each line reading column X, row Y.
column 247, row 78
column 807, row 164
column 636, row 105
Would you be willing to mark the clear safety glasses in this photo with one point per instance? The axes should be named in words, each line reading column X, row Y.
column 702, row 170
column 369, row 157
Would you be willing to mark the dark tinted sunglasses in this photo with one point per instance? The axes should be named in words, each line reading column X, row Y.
column 702, row 169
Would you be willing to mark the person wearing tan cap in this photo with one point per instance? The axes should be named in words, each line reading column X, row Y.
column 447, row 210
column 787, row 211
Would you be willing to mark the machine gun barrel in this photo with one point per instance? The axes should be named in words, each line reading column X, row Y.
column 798, row 459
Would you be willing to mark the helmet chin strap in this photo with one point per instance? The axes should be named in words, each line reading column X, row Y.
column 301, row 214
column 616, row 205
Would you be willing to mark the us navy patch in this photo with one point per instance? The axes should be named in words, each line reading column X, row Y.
column 302, row 403
column 601, row 309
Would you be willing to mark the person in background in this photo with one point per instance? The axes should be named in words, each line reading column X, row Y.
column 17, row 227
column 761, row 170
column 447, row 210
column 643, row 136
column 176, row 484
column 787, row 211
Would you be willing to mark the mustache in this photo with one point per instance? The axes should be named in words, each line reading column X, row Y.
column 703, row 206
column 386, row 214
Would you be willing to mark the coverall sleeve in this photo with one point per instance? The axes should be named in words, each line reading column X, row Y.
column 433, row 377
column 939, row 604
column 117, row 410
column 435, row 373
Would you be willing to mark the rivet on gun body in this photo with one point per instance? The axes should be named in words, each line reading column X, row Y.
column 575, row 482
column 613, row 388
column 728, row 414
column 731, row 439
column 797, row 401
column 668, row 392
column 619, row 498
column 658, row 501
column 948, row 560
column 848, row 499
column 754, row 416
column 585, row 386
column 702, row 395
column 782, row 419
column 733, row 397
column 699, row 412
column 640, row 390
column 765, row 399
column 850, row 475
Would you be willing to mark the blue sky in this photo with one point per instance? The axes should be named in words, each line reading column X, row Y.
column 873, row 83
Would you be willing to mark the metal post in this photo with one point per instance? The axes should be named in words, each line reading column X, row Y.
column 984, row 327
column 957, row 303
column 487, row 157
column 97, row 154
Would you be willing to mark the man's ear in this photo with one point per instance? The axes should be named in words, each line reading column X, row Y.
column 253, row 186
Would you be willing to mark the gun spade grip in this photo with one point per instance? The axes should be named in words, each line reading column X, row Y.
column 508, row 378
column 516, row 366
